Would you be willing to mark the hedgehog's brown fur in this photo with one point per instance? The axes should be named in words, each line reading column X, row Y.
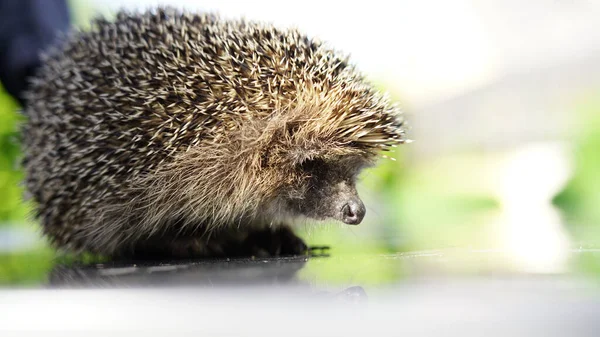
column 166, row 125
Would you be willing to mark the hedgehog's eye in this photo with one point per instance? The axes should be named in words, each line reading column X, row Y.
column 312, row 165
column 292, row 128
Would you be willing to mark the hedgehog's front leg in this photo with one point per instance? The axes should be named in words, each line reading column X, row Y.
column 274, row 241
column 232, row 242
column 184, row 247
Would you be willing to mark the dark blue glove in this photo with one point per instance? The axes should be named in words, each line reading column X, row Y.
column 26, row 28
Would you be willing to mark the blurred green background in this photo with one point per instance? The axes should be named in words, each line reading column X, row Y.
column 471, row 209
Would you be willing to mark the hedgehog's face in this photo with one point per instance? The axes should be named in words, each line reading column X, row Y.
column 328, row 190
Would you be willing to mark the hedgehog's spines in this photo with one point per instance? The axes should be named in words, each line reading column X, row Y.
column 169, row 119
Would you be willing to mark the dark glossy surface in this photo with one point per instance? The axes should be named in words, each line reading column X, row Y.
column 226, row 272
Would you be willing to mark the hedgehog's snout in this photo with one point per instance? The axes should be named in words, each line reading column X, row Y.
column 353, row 212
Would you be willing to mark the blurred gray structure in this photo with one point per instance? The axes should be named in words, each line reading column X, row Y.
column 532, row 105
column 547, row 61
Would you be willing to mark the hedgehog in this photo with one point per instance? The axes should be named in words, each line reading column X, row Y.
column 169, row 133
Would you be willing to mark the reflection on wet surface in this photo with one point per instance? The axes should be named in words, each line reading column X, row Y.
column 317, row 271
column 180, row 273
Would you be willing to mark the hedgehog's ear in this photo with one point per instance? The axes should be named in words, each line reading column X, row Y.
column 302, row 146
column 300, row 149
column 300, row 156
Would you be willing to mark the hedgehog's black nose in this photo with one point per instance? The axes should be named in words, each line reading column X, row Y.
column 353, row 212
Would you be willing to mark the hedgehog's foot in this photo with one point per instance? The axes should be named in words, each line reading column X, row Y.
column 265, row 242
column 274, row 241
column 181, row 248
